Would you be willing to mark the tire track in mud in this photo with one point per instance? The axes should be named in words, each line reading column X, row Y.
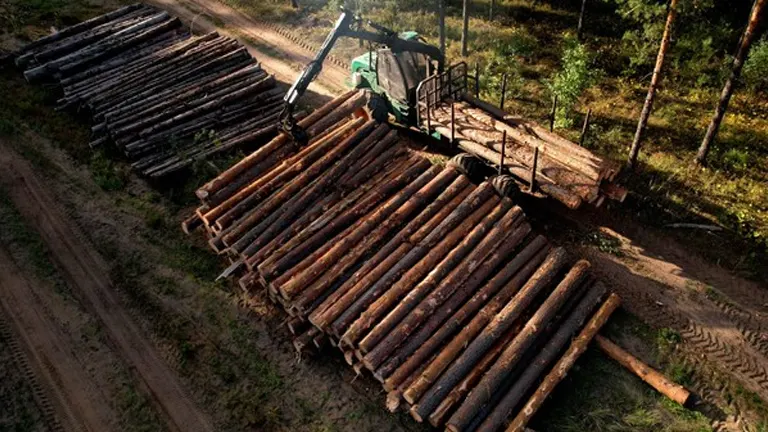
column 697, row 340
column 88, row 275
column 21, row 360
column 750, row 327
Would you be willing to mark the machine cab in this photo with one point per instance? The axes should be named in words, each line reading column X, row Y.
column 395, row 75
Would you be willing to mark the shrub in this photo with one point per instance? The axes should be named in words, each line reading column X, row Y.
column 574, row 77
column 755, row 74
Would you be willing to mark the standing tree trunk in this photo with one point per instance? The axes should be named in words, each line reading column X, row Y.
column 635, row 150
column 465, row 29
column 581, row 19
column 490, row 12
column 738, row 63
column 441, row 23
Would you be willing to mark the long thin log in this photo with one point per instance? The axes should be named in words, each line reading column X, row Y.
column 513, row 353
column 548, row 354
column 565, row 363
column 462, row 297
column 448, row 199
column 432, row 292
column 543, row 277
column 654, row 378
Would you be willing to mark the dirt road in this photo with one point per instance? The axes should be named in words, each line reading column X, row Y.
column 88, row 274
column 77, row 400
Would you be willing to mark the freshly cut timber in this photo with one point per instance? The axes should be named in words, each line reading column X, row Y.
column 165, row 98
column 435, row 285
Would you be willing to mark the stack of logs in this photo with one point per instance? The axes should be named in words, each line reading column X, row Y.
column 165, row 98
column 435, row 285
column 540, row 160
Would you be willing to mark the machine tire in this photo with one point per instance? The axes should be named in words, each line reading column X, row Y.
column 506, row 186
column 467, row 164
column 377, row 108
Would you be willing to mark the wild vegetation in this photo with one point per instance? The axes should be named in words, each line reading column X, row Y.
column 534, row 43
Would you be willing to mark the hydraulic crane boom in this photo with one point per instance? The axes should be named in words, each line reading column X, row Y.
column 344, row 28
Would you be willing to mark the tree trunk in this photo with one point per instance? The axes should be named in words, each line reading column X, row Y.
column 636, row 143
column 725, row 97
column 441, row 23
column 465, row 29
column 490, row 12
column 581, row 19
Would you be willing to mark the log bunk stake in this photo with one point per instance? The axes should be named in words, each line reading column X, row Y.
column 435, row 286
column 165, row 98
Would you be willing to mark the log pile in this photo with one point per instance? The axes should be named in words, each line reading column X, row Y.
column 540, row 160
column 436, row 286
column 165, row 98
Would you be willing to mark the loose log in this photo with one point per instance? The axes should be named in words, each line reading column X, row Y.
column 554, row 346
column 513, row 353
column 565, row 363
column 654, row 378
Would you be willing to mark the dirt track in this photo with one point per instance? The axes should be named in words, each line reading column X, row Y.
column 77, row 399
column 88, row 274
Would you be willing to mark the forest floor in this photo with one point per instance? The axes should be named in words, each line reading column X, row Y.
column 700, row 323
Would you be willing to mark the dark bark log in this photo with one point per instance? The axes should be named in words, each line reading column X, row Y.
column 455, row 302
column 565, row 363
column 450, row 198
column 500, row 289
column 514, row 352
column 477, row 346
column 441, row 282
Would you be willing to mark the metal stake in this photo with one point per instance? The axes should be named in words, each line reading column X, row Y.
column 503, row 91
column 453, row 124
column 585, row 127
column 503, row 149
column 477, row 80
column 533, row 170
column 552, row 114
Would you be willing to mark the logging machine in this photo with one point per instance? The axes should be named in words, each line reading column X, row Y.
column 393, row 72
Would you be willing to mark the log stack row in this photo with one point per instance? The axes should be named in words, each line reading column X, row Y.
column 541, row 161
column 165, row 98
column 437, row 286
